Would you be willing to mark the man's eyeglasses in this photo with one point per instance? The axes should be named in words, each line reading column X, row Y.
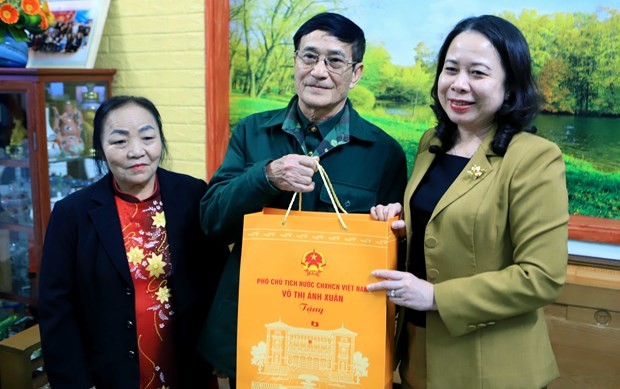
column 333, row 63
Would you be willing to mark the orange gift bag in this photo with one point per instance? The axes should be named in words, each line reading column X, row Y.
column 306, row 319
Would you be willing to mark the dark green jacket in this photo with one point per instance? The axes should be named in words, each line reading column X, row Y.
column 371, row 169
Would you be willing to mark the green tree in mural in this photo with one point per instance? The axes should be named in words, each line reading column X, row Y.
column 575, row 59
column 378, row 70
column 558, row 98
column 264, row 31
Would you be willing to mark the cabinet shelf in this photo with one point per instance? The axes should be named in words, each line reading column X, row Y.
column 19, row 298
column 14, row 162
column 69, row 159
column 19, row 227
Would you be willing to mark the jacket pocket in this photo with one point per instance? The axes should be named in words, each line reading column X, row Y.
column 354, row 199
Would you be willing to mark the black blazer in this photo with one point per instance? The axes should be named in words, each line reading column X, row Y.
column 86, row 297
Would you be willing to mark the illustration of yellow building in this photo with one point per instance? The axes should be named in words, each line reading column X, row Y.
column 293, row 357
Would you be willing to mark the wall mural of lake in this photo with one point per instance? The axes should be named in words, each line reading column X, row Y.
column 574, row 49
column 595, row 140
column 591, row 147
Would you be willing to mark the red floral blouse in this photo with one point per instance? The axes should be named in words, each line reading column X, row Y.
column 148, row 256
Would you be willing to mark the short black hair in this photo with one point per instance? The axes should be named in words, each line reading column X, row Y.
column 337, row 26
column 523, row 102
column 108, row 107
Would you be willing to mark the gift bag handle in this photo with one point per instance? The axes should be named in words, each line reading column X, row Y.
column 332, row 196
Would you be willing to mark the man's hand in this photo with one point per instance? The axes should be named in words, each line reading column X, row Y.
column 292, row 173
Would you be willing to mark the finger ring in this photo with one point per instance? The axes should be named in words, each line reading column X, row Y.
column 392, row 293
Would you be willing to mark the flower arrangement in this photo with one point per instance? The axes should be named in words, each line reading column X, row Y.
column 22, row 18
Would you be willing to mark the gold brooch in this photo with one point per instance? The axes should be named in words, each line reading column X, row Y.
column 476, row 172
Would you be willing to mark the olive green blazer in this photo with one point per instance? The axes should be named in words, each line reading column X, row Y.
column 496, row 252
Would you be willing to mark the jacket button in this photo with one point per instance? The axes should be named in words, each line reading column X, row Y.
column 131, row 354
column 432, row 273
column 347, row 203
column 313, row 129
column 482, row 325
column 128, row 291
column 129, row 324
column 430, row 242
column 310, row 153
column 471, row 327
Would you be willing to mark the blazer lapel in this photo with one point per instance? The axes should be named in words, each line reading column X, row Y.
column 477, row 170
column 422, row 163
column 423, row 160
column 106, row 221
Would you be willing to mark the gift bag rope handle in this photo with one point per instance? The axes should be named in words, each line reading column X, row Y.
column 332, row 196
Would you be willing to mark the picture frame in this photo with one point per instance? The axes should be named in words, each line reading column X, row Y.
column 73, row 40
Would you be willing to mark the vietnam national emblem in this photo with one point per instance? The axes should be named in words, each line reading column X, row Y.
column 313, row 263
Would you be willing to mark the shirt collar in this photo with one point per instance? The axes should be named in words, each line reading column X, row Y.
column 287, row 119
column 324, row 127
column 131, row 198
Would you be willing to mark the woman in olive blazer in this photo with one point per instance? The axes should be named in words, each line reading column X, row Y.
column 486, row 218
column 494, row 266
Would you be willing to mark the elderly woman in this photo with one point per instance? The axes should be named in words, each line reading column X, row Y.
column 127, row 275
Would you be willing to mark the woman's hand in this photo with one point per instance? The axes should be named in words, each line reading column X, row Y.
column 405, row 289
column 385, row 212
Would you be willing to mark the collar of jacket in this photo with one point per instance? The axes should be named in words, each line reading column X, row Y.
column 357, row 127
column 104, row 187
column 461, row 185
column 486, row 143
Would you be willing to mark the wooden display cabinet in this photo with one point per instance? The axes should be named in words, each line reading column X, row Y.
column 44, row 155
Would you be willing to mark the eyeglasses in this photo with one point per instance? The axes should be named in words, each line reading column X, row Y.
column 333, row 63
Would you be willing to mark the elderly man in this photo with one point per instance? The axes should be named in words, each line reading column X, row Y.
column 273, row 154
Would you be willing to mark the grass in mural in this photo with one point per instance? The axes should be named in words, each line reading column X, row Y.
column 242, row 106
column 591, row 192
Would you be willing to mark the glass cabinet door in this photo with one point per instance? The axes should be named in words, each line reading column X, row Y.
column 46, row 153
column 16, row 207
column 69, row 113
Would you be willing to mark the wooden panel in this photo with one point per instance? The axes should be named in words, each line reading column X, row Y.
column 594, row 276
column 216, row 83
column 584, row 327
column 597, row 317
column 591, row 287
column 588, row 355
column 594, row 229
column 590, row 296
